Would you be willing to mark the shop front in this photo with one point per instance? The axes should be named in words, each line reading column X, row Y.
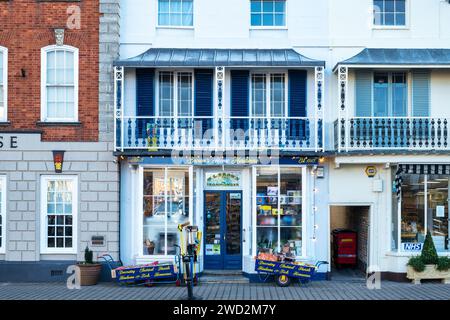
column 242, row 210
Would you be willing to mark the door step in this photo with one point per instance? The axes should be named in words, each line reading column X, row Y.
column 223, row 279
column 222, row 273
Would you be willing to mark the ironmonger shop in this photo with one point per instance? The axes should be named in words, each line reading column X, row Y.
column 242, row 207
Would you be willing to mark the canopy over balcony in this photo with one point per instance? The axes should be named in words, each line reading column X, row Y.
column 171, row 57
column 417, row 58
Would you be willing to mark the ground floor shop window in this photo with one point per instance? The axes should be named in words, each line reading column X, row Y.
column 166, row 204
column 2, row 213
column 422, row 206
column 279, row 209
column 59, row 206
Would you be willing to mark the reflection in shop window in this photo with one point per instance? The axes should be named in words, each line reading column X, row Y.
column 166, row 204
column 419, row 194
column 279, row 209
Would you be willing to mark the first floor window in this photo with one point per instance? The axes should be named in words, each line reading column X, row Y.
column 166, row 205
column 268, row 13
column 175, row 94
column 389, row 12
column 59, row 83
column 390, row 94
column 59, row 214
column 3, row 83
column 2, row 213
column 423, row 208
column 268, row 95
column 279, row 209
column 176, row 13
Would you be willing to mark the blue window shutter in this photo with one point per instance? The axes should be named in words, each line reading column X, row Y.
column 240, row 93
column 297, row 93
column 203, row 97
column 421, row 93
column 240, row 96
column 363, row 93
column 145, row 92
column 203, row 93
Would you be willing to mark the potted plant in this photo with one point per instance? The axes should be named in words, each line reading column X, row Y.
column 150, row 246
column 428, row 265
column 89, row 271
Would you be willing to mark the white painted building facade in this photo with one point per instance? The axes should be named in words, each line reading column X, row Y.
column 342, row 101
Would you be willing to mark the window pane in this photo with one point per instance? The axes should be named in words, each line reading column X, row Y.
column 175, row 6
column 267, row 239
column 389, row 19
column 291, row 237
column 164, row 19
column 400, row 19
column 166, row 94
column 256, row 6
column 164, row 6
column 399, row 94
column 185, row 94
column 378, row 5
column 268, row 6
column 277, row 95
column 259, row 95
column 381, row 95
column 279, row 20
column 412, row 210
column 267, row 19
column 400, row 6
column 256, row 19
column 437, row 213
column 389, row 6
column 280, row 6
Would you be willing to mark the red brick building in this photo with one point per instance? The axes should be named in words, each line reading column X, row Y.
column 53, row 98
column 27, row 26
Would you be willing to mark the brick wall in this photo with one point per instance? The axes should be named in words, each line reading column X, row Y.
column 26, row 27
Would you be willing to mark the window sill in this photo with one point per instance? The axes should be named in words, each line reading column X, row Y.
column 268, row 28
column 410, row 254
column 58, row 124
column 5, row 123
column 176, row 27
column 390, row 28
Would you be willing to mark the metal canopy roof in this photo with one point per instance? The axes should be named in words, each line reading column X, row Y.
column 170, row 57
column 416, row 57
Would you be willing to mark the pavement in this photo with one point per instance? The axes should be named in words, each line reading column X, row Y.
column 319, row 290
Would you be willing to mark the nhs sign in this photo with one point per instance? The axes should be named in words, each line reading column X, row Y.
column 412, row 246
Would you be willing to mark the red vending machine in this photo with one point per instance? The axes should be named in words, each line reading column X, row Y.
column 345, row 248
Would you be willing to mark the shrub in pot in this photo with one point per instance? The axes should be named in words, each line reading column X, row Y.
column 89, row 271
column 428, row 265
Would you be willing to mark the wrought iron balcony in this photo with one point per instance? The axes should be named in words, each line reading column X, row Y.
column 219, row 133
column 389, row 133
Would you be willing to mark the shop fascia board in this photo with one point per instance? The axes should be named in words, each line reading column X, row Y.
column 391, row 159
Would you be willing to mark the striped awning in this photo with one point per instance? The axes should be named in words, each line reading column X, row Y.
column 417, row 169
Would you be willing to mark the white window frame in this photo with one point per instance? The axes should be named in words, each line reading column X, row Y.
column 44, row 249
column 170, row 26
column 391, row 27
column 140, row 212
column 390, row 74
column 305, row 208
column 268, row 97
column 5, row 82
column 175, row 91
column 44, row 52
column 3, row 213
column 274, row 27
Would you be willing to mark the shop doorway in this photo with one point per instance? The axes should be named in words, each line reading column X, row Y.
column 222, row 233
column 349, row 242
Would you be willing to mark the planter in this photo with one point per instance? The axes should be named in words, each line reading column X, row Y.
column 430, row 272
column 89, row 273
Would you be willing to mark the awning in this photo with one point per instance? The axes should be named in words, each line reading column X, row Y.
column 169, row 57
column 399, row 57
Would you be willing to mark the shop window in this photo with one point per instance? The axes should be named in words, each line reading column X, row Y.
column 2, row 213
column 3, row 83
column 58, row 214
column 176, row 13
column 166, row 204
column 279, row 209
column 268, row 13
column 423, row 207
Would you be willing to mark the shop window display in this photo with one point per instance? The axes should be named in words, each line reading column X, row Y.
column 166, row 204
column 279, row 209
column 423, row 207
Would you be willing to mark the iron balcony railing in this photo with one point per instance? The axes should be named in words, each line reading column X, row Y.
column 386, row 133
column 219, row 133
